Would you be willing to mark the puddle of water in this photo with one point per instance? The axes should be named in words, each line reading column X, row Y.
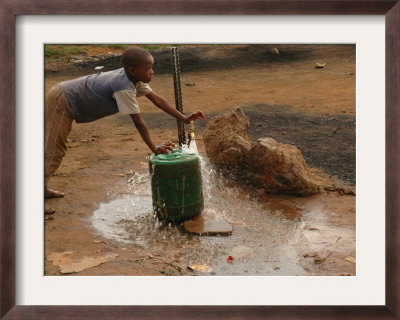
column 276, row 231
column 264, row 229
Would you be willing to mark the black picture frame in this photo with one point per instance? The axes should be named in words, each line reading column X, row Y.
column 10, row 9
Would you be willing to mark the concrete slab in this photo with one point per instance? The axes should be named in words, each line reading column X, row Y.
column 208, row 228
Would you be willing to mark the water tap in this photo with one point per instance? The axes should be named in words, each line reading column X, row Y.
column 191, row 133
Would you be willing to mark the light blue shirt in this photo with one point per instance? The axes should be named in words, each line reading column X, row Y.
column 99, row 95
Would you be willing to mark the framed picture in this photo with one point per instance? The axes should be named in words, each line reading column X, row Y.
column 11, row 10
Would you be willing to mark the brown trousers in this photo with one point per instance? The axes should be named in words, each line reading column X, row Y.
column 58, row 121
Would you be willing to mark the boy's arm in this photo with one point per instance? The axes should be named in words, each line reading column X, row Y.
column 164, row 105
column 145, row 134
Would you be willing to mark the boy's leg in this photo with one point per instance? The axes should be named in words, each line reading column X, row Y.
column 58, row 122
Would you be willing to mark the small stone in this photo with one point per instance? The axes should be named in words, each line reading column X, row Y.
column 211, row 227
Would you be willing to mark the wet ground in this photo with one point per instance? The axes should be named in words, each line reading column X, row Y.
column 271, row 236
column 107, row 207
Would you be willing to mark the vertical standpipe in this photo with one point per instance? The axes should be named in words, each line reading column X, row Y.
column 176, row 71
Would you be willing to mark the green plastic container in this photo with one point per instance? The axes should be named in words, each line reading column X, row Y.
column 176, row 185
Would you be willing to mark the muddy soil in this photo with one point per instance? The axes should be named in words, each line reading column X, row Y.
column 284, row 96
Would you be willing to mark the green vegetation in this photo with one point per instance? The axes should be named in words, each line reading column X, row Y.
column 155, row 46
column 111, row 46
column 61, row 51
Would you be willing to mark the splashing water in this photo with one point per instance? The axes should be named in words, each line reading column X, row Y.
column 256, row 225
column 191, row 148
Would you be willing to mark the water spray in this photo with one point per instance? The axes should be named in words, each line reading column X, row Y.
column 191, row 133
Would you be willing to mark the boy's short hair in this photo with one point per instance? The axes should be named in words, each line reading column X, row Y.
column 133, row 57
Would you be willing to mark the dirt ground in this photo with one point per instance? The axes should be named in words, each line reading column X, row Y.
column 284, row 96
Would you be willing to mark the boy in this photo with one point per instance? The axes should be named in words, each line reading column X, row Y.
column 98, row 95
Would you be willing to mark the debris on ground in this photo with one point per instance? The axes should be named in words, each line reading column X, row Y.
column 67, row 264
column 351, row 259
column 200, row 268
column 274, row 51
column 320, row 65
column 98, row 68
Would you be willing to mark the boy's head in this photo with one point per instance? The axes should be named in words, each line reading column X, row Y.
column 138, row 64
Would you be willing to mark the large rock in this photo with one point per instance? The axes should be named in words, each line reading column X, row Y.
column 280, row 168
column 276, row 167
column 226, row 140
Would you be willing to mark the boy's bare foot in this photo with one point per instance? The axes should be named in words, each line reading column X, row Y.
column 49, row 210
column 53, row 194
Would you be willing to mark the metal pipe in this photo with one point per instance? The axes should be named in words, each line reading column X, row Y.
column 176, row 70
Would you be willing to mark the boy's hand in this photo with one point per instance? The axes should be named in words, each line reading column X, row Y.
column 194, row 116
column 164, row 147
